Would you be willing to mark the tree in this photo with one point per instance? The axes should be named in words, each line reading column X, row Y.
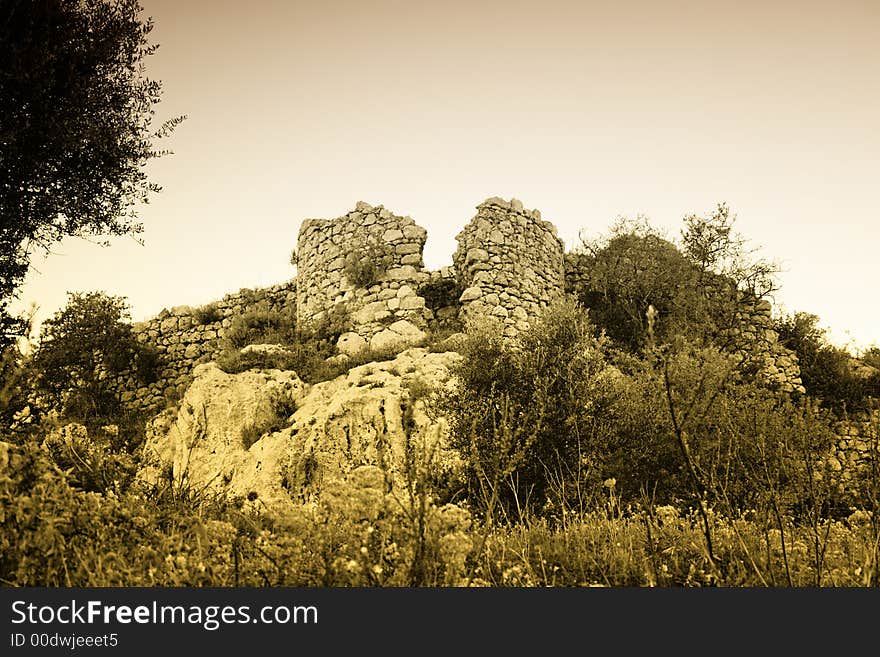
column 631, row 270
column 76, row 112
column 642, row 287
column 81, row 350
column 712, row 244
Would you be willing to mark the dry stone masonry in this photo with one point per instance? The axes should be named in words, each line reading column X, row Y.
column 364, row 267
column 759, row 343
column 510, row 264
column 185, row 337
column 364, row 274
column 858, row 444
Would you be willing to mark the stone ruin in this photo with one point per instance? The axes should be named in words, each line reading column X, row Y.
column 511, row 264
column 364, row 274
column 380, row 311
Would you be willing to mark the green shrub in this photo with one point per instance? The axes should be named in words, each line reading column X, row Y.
column 694, row 285
column 89, row 458
column 81, row 351
column 208, row 314
column 367, row 261
column 529, row 417
column 827, row 371
column 282, row 407
column 261, row 325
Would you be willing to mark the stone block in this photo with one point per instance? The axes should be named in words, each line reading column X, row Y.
column 470, row 294
column 350, row 343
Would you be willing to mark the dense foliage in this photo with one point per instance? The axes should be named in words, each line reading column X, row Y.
column 76, row 112
column 829, row 372
column 81, row 351
column 644, row 289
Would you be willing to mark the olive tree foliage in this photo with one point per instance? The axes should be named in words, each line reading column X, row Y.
column 645, row 288
column 76, row 128
column 81, row 350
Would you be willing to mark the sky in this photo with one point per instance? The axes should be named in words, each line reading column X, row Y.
column 585, row 110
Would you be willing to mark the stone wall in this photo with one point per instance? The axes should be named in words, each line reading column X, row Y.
column 333, row 254
column 755, row 339
column 858, row 443
column 510, row 264
column 185, row 337
column 364, row 272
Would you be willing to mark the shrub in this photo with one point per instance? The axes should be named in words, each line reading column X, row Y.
column 90, row 459
column 308, row 359
column 631, row 269
column 15, row 376
column 367, row 261
column 82, row 349
column 282, row 407
column 208, row 314
column 694, row 285
column 261, row 325
column 827, row 371
column 529, row 417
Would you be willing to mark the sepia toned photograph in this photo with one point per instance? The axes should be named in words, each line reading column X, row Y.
column 384, row 294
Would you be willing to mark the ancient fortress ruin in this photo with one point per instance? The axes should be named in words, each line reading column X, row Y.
column 509, row 266
column 363, row 274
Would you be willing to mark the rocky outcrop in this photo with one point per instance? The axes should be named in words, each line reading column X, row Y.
column 266, row 436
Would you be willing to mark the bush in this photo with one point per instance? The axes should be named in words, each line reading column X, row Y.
column 15, row 376
column 260, row 325
column 208, row 314
column 827, row 371
column 367, row 261
column 632, row 269
column 90, row 459
column 529, row 417
column 81, row 351
column 693, row 285
column 282, row 408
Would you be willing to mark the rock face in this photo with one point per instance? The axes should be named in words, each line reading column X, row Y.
column 233, row 433
column 220, row 416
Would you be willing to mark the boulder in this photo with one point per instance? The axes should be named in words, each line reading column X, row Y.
column 369, row 416
column 350, row 343
column 399, row 335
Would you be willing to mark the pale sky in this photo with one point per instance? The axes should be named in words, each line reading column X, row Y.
column 585, row 110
